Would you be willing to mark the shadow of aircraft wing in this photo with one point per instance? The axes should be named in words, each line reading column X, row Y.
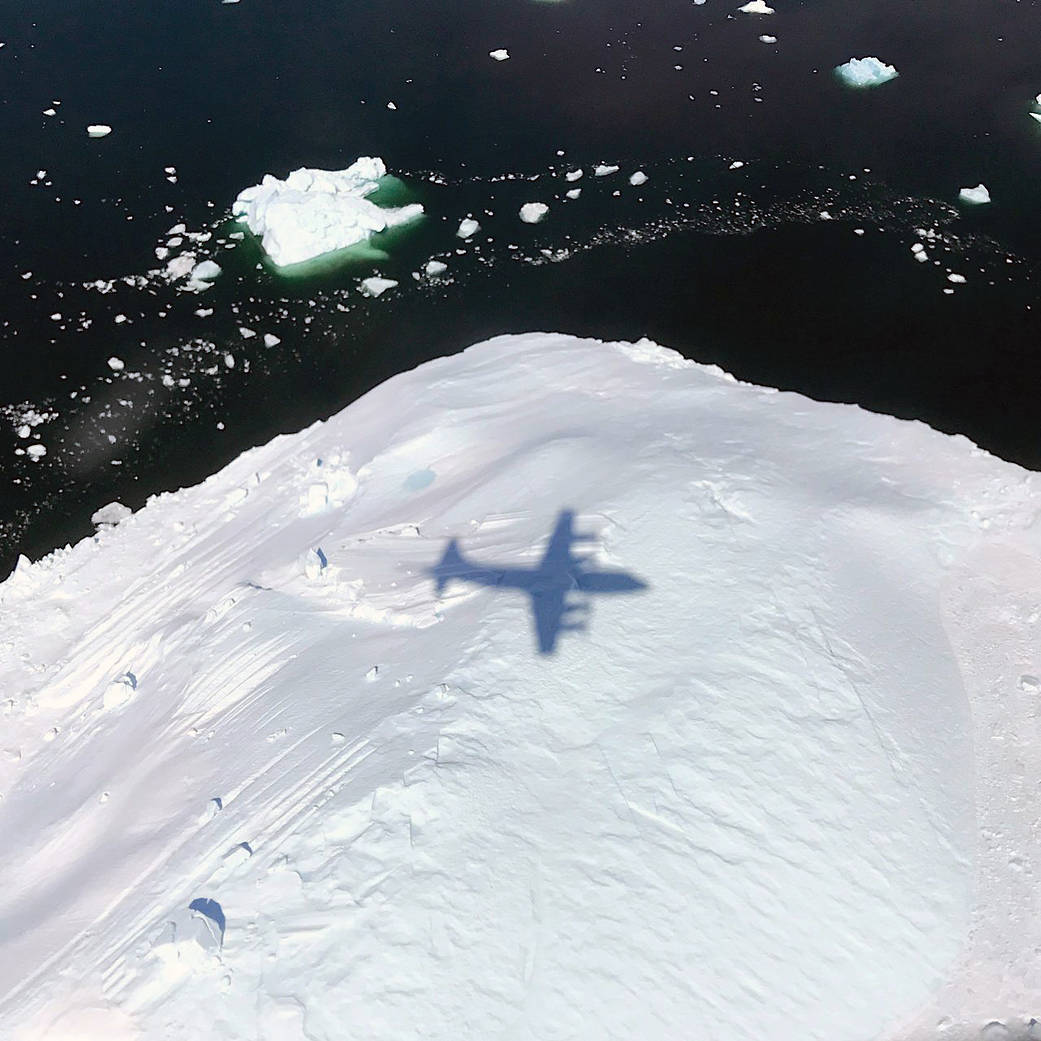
column 608, row 582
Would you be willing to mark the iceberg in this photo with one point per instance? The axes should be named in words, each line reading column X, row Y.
column 468, row 227
column 790, row 699
column 533, row 212
column 98, row 130
column 499, row 55
column 865, row 72
column 974, row 196
column 756, row 7
column 315, row 212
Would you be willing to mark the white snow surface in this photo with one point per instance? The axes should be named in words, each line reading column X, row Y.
column 865, row 72
column 314, row 212
column 259, row 781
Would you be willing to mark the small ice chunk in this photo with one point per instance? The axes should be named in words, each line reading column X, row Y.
column 756, row 7
column 1036, row 115
column 98, row 130
column 116, row 364
column 246, row 333
column 736, row 165
column 36, row 452
column 271, row 340
column 435, row 267
column 206, row 271
column 767, row 39
column 467, row 227
column 374, row 286
column 574, row 193
column 499, row 55
column 638, row 178
column 974, row 196
column 604, row 169
column 533, row 212
column 956, row 278
column 573, row 175
column 865, row 72
column 113, row 513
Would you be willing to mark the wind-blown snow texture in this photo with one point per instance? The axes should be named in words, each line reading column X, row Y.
column 258, row 781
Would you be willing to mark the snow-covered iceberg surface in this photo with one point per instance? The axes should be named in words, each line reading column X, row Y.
column 314, row 212
column 289, row 750
column 865, row 72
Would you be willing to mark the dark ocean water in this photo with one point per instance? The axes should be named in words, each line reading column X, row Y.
column 729, row 265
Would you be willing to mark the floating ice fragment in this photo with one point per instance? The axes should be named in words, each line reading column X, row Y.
column 499, row 55
column 768, row 39
column 116, row 364
column 638, row 178
column 206, row 271
column 603, row 170
column 313, row 212
column 756, row 7
column 956, row 278
column 435, row 267
column 374, row 286
column 736, row 165
column 271, row 340
column 533, row 212
column 467, row 227
column 574, row 193
column 36, row 452
column 573, row 175
column 865, row 72
column 974, row 196
column 98, row 130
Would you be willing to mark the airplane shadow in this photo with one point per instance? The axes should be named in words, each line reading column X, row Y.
column 559, row 588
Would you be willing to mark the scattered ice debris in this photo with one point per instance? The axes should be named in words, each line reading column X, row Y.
column 434, row 268
column 374, row 286
column 533, row 212
column 110, row 515
column 974, row 196
column 499, row 55
column 271, row 340
column 865, row 72
column 604, row 170
column 314, row 212
column 919, row 252
column 468, row 227
column 825, row 215
column 98, row 130
column 638, row 178
column 756, row 7
column 767, row 39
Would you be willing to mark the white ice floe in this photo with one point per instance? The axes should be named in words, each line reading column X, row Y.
column 638, row 178
column 433, row 268
column 314, row 212
column 767, row 39
column 605, row 170
column 865, row 72
column 206, row 271
column 574, row 193
column 756, row 7
column 533, row 212
column 499, row 55
column 754, row 733
column 467, row 228
column 98, row 130
column 974, row 196
column 374, row 285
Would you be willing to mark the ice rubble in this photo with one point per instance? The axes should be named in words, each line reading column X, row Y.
column 314, row 212
column 799, row 766
column 865, row 72
column 974, row 196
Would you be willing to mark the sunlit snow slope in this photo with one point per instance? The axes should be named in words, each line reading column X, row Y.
column 787, row 790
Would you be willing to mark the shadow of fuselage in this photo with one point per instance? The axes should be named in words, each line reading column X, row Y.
column 559, row 574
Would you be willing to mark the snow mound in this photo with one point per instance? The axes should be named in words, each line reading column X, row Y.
column 865, row 72
column 557, row 688
column 314, row 212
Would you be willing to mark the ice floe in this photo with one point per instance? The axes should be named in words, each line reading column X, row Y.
column 974, row 196
column 865, row 72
